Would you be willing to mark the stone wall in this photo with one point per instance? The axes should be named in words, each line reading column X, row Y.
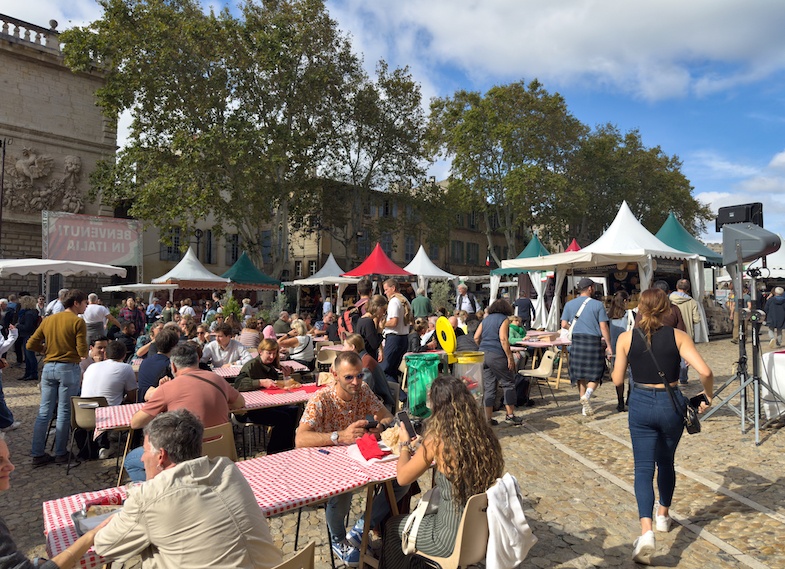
column 54, row 135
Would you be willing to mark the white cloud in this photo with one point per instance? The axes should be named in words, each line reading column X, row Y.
column 39, row 12
column 709, row 164
column 654, row 50
column 778, row 162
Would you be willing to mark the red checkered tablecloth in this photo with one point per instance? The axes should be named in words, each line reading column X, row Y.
column 264, row 398
column 228, row 371
column 295, row 478
column 59, row 528
column 294, row 366
column 114, row 417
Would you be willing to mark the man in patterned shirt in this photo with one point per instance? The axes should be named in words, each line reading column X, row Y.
column 338, row 415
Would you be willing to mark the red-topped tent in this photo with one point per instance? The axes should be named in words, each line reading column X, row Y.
column 573, row 246
column 377, row 263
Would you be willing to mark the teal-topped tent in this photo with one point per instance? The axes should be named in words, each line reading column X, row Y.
column 244, row 272
column 673, row 234
column 535, row 248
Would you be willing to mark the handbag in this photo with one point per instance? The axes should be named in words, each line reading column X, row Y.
column 690, row 414
column 566, row 333
column 428, row 504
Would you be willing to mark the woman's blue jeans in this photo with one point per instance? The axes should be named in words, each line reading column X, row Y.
column 655, row 429
column 31, row 358
column 59, row 382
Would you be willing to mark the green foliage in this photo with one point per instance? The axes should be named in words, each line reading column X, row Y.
column 442, row 296
column 510, row 150
column 233, row 118
column 279, row 304
column 229, row 305
column 611, row 167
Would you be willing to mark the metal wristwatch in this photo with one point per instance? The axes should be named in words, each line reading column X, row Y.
column 334, row 437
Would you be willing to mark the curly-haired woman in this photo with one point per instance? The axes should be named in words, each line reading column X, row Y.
column 655, row 424
column 468, row 460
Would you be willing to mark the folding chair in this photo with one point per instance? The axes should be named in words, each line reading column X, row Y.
column 83, row 417
column 472, row 540
column 219, row 441
column 542, row 373
column 304, row 559
column 325, row 359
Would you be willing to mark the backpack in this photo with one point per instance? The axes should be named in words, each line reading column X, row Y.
column 349, row 318
column 408, row 316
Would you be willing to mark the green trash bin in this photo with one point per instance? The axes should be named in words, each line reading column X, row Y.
column 421, row 370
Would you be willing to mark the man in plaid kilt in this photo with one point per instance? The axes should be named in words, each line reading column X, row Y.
column 587, row 357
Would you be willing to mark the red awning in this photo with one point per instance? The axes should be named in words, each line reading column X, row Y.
column 377, row 263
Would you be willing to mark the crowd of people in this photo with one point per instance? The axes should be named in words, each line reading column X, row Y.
column 87, row 351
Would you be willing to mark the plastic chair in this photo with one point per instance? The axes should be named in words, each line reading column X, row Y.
column 472, row 540
column 395, row 390
column 83, row 417
column 304, row 559
column 325, row 359
column 542, row 373
column 219, row 441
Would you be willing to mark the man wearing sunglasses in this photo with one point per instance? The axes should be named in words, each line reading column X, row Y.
column 339, row 415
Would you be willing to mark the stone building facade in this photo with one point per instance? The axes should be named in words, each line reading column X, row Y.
column 53, row 133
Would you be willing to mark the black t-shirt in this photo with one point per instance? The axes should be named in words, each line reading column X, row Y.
column 367, row 329
column 332, row 332
column 153, row 368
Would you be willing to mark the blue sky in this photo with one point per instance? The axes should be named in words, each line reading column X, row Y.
column 703, row 79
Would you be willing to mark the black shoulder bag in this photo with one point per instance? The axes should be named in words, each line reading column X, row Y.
column 690, row 414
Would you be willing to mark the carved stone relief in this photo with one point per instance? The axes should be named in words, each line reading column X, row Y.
column 30, row 185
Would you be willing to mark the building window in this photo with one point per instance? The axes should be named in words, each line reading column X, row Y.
column 409, row 251
column 298, row 269
column 363, row 244
column 456, row 252
column 433, row 253
column 267, row 246
column 312, row 267
column 210, row 254
column 473, row 220
column 232, row 248
column 387, row 243
column 472, row 254
column 494, row 221
column 459, row 220
column 171, row 252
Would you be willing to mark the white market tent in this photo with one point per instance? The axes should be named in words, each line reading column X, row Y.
column 139, row 287
column 625, row 241
column 189, row 273
column 328, row 275
column 55, row 267
column 425, row 269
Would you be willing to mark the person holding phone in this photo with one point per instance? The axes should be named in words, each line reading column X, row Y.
column 655, row 426
column 468, row 458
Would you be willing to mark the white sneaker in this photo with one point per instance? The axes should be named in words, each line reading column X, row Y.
column 105, row 453
column 12, row 427
column 643, row 548
column 772, row 342
column 662, row 523
column 587, row 410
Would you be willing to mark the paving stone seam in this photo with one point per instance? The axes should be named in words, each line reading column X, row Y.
column 702, row 533
column 760, row 508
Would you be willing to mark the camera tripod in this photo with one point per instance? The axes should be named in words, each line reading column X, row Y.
column 742, row 376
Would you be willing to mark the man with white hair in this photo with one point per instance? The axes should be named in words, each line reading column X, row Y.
column 421, row 305
column 283, row 324
column 467, row 301
column 95, row 316
column 56, row 305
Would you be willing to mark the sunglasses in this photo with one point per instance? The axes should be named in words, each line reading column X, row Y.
column 352, row 377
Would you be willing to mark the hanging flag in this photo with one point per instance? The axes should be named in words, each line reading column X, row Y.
column 488, row 259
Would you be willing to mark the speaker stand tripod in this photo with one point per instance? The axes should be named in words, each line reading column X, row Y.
column 744, row 379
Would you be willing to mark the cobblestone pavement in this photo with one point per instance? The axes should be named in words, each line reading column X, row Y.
column 576, row 474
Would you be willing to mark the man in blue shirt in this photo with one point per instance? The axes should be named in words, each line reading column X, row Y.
column 587, row 357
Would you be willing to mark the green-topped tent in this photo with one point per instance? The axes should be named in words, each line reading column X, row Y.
column 244, row 275
column 673, row 234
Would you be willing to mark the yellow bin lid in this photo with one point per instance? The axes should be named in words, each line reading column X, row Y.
column 470, row 357
column 446, row 336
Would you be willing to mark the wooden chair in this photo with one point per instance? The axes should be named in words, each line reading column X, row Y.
column 83, row 417
column 304, row 559
column 542, row 373
column 472, row 540
column 219, row 441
